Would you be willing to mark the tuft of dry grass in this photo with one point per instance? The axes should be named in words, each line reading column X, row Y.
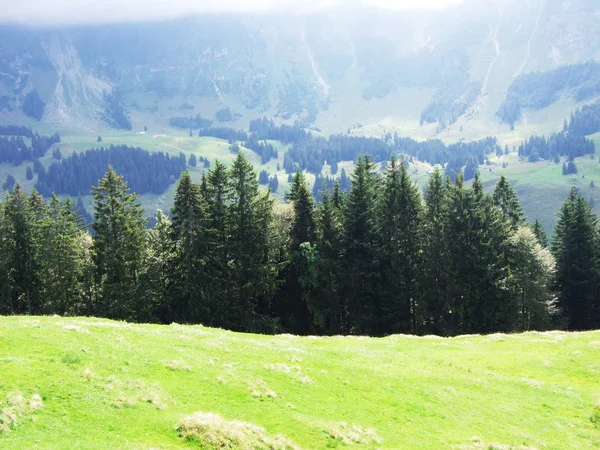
column 131, row 392
column 477, row 444
column 353, row 434
column 178, row 365
column 293, row 371
column 212, row 431
column 16, row 407
column 260, row 389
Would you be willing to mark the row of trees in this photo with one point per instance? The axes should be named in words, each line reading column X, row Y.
column 76, row 174
column 17, row 150
column 381, row 259
column 312, row 153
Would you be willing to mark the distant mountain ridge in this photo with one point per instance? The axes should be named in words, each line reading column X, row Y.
column 328, row 70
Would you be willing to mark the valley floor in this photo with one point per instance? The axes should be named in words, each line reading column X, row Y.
column 91, row 383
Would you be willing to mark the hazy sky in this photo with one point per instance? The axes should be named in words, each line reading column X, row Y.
column 85, row 11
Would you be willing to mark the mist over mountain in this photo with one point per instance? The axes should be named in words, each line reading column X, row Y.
column 476, row 67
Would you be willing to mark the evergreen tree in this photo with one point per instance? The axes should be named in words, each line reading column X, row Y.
column 21, row 258
column 300, row 275
column 61, row 258
column 437, row 271
column 477, row 237
column 400, row 213
column 540, row 234
column 361, row 265
column 29, row 173
column 252, row 274
column 507, row 200
column 190, row 298
column 192, row 162
column 218, row 197
column 157, row 274
column 117, row 247
column 329, row 315
column 575, row 248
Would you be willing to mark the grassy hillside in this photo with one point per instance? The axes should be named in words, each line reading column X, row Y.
column 89, row 383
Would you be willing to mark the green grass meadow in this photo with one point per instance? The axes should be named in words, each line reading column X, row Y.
column 104, row 384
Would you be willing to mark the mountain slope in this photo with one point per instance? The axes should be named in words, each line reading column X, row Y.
column 424, row 72
column 93, row 383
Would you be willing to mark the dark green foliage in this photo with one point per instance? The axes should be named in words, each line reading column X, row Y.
column 252, row 275
column 15, row 150
column 117, row 249
column 9, row 183
column 99, row 139
column 584, row 121
column 192, row 162
column 116, row 114
column 300, row 274
column 263, row 177
column 29, row 173
column 226, row 115
column 400, row 214
column 273, row 183
column 540, row 234
column 229, row 134
column 560, row 144
column 193, row 122
column 33, row 105
column 56, row 154
column 537, row 90
column 20, row 253
column 376, row 260
column 360, row 260
column 575, row 247
column 507, row 200
column 311, row 153
column 264, row 129
column 144, row 171
column 189, row 295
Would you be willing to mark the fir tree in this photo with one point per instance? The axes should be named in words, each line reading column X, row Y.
column 21, row 258
column 117, row 247
column 190, row 298
column 157, row 274
column 400, row 213
column 540, row 234
column 437, row 270
column 361, row 268
column 507, row 200
column 575, row 248
column 250, row 215
column 61, row 258
column 300, row 275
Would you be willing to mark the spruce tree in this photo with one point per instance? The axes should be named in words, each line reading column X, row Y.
column 190, row 297
column 575, row 248
column 361, row 265
column 21, row 258
column 507, row 200
column 61, row 258
column 400, row 213
column 540, row 234
column 118, row 246
column 300, row 275
column 437, row 271
column 157, row 274
column 218, row 198
column 252, row 275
